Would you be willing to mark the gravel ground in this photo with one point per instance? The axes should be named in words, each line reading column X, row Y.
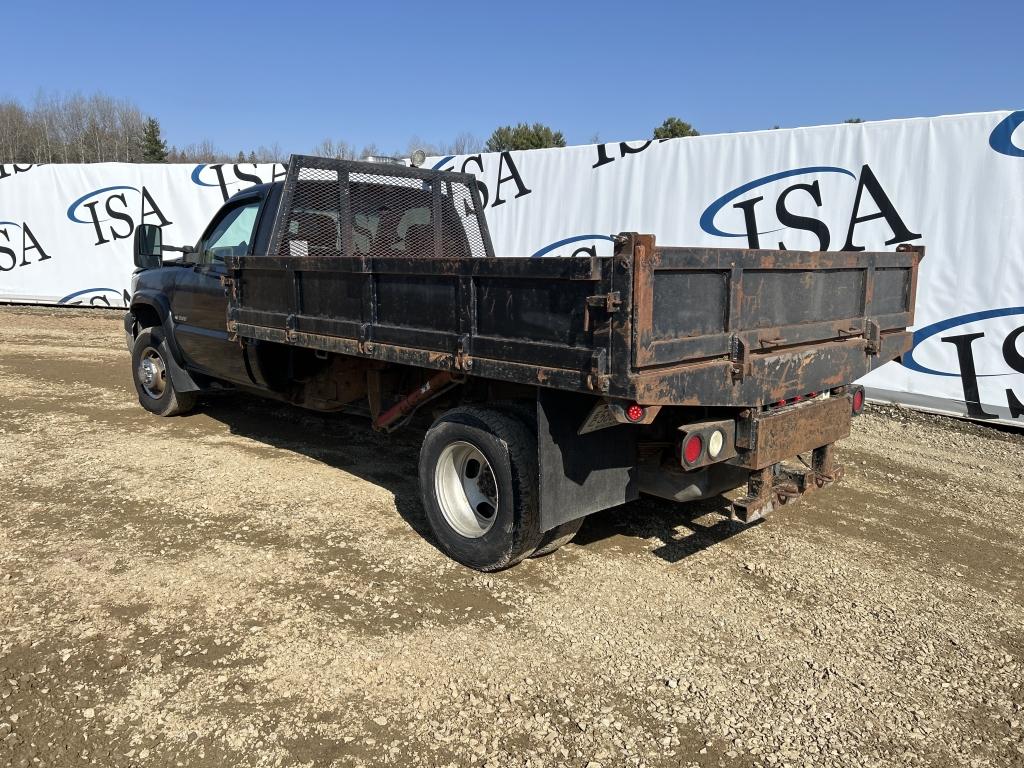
column 255, row 585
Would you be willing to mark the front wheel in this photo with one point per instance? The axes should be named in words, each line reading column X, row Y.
column 152, row 378
column 478, row 481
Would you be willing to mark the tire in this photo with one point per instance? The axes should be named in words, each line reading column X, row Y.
column 558, row 536
column 150, row 355
column 526, row 412
column 478, row 481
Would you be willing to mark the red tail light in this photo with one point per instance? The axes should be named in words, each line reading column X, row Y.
column 636, row 412
column 692, row 449
column 858, row 401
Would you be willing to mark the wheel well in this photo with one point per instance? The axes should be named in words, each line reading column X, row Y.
column 146, row 316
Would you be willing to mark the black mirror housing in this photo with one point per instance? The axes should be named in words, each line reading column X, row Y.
column 148, row 246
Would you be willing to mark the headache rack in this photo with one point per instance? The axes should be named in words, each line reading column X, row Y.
column 360, row 209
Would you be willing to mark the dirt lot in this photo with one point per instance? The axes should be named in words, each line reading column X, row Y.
column 255, row 585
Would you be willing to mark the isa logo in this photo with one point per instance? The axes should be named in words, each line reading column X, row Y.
column 19, row 247
column 7, row 171
column 987, row 346
column 114, row 212
column 232, row 178
column 497, row 183
column 808, row 200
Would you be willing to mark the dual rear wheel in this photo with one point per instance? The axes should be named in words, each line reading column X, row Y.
column 479, row 481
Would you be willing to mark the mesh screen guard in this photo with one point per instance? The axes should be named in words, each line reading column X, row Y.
column 348, row 208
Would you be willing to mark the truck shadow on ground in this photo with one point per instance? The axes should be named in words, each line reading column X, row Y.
column 684, row 530
column 349, row 444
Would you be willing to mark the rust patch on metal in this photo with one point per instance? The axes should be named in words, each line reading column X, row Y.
column 768, row 437
column 434, row 386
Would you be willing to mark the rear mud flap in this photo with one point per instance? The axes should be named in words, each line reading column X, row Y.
column 581, row 474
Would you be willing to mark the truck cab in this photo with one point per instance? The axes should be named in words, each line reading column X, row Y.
column 185, row 297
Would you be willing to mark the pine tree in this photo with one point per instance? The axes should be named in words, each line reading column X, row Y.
column 154, row 148
column 674, row 128
column 523, row 136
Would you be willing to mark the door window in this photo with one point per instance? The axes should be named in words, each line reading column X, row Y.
column 232, row 234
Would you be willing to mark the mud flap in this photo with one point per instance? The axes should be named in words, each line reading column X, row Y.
column 180, row 378
column 581, row 474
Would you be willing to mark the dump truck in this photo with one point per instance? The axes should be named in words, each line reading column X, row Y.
column 549, row 388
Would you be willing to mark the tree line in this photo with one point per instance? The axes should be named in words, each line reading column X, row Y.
column 100, row 128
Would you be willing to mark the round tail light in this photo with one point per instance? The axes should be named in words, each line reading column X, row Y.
column 636, row 412
column 692, row 447
column 715, row 443
column 858, row 401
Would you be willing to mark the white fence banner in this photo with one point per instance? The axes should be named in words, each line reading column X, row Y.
column 954, row 184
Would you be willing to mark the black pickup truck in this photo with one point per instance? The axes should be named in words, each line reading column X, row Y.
column 557, row 387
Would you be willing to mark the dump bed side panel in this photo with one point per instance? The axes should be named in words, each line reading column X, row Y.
column 529, row 316
column 693, row 304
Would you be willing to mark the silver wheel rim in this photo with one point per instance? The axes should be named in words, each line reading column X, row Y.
column 152, row 373
column 466, row 489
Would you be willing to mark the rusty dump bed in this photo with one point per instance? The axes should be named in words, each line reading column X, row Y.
column 395, row 263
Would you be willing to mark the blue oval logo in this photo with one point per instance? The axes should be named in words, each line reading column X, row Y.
column 73, row 208
column 707, row 219
column 574, row 241
column 1001, row 138
column 922, row 335
column 197, row 177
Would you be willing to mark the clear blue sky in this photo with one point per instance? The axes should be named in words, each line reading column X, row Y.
column 248, row 73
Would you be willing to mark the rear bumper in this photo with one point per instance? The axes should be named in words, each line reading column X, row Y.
column 768, row 437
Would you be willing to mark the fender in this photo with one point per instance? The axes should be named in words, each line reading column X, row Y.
column 157, row 301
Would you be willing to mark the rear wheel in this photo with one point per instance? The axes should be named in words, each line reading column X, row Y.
column 526, row 412
column 150, row 356
column 478, row 480
column 557, row 537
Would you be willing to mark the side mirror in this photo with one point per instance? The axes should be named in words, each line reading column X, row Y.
column 148, row 246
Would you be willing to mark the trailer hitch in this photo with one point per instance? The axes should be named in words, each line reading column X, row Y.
column 768, row 488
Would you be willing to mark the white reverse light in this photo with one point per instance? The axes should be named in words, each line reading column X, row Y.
column 715, row 443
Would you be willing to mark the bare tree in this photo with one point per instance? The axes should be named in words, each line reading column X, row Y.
column 340, row 149
column 72, row 128
column 464, row 144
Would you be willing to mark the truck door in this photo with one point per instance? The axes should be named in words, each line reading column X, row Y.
column 200, row 303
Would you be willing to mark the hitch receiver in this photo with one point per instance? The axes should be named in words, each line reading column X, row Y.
column 767, row 491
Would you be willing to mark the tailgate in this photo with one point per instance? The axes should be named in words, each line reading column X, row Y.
column 691, row 304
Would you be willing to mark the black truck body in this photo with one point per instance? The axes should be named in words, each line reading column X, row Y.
column 378, row 285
